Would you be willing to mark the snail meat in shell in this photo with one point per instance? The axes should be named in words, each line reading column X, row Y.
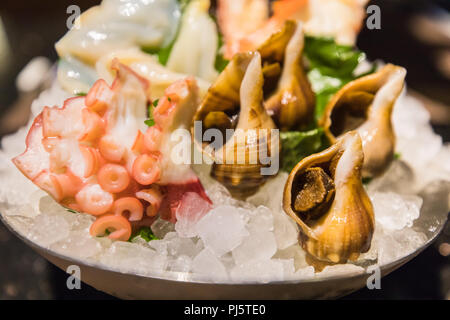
column 325, row 196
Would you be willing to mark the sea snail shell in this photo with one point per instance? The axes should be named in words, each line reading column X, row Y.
column 326, row 198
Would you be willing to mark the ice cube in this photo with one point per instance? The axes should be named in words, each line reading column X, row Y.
column 285, row 230
column 416, row 141
column 48, row 229
column 79, row 221
column 396, row 245
column 437, row 169
column 261, row 219
column 79, row 244
column 394, row 211
column 419, row 150
column 127, row 256
column 222, row 229
column 260, row 271
column 220, row 195
column 191, row 210
column 408, row 115
column 306, row 272
column 294, row 252
column 181, row 246
column 207, row 266
column 271, row 193
column 259, row 245
column 160, row 246
column 161, row 227
column 24, row 210
column 181, row 263
column 436, row 205
column 399, row 178
column 288, row 268
column 292, row 273
column 227, row 260
column 16, row 189
column 48, row 206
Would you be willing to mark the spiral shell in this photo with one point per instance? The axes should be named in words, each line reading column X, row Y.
column 326, row 198
column 366, row 105
column 235, row 102
column 291, row 103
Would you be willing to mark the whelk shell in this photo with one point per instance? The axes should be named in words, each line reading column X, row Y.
column 291, row 102
column 366, row 105
column 325, row 196
column 235, row 101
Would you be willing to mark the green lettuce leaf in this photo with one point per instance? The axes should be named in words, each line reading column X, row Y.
column 331, row 66
column 296, row 145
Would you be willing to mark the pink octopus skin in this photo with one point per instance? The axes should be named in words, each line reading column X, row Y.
column 96, row 155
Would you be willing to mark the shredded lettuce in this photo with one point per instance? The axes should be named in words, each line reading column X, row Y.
column 145, row 233
column 296, row 145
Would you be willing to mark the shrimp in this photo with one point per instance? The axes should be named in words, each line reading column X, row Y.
column 246, row 24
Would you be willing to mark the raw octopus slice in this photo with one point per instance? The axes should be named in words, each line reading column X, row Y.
column 92, row 155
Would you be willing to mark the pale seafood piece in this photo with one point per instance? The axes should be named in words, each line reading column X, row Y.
column 325, row 196
column 237, row 18
column 146, row 66
column 75, row 76
column 366, row 105
column 194, row 51
column 340, row 19
column 117, row 25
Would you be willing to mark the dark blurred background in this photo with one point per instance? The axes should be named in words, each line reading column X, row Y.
column 414, row 34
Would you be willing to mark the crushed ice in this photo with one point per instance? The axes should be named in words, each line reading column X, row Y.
column 240, row 241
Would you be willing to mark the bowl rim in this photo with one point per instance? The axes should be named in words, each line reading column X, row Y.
column 186, row 277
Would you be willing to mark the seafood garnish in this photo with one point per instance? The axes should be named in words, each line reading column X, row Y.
column 237, row 19
column 325, row 196
column 114, row 25
column 96, row 155
column 194, row 51
column 147, row 67
column 340, row 19
column 127, row 32
column 366, row 105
